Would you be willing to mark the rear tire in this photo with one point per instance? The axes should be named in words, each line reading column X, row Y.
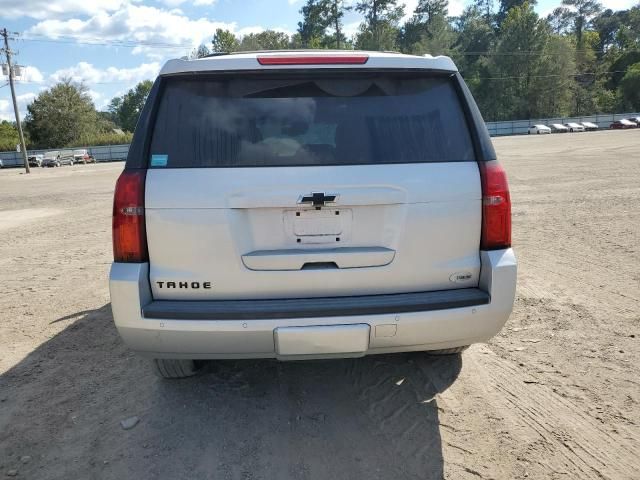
column 448, row 351
column 174, row 368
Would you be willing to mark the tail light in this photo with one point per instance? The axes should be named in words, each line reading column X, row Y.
column 129, row 234
column 496, row 207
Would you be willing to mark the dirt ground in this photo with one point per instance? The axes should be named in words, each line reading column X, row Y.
column 555, row 396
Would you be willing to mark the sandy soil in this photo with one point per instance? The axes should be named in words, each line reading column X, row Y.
column 554, row 396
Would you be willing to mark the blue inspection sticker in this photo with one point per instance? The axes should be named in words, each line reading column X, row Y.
column 159, row 160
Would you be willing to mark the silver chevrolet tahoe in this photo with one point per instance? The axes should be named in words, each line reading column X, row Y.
column 309, row 204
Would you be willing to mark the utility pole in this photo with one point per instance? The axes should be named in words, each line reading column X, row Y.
column 8, row 52
column 336, row 16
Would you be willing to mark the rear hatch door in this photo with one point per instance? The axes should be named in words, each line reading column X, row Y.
column 311, row 185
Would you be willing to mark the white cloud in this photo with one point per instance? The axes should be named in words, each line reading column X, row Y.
column 169, row 32
column 6, row 110
column 99, row 100
column 30, row 75
column 247, row 30
column 409, row 7
column 41, row 9
column 25, row 98
column 618, row 4
column 456, row 7
column 350, row 29
column 90, row 75
column 6, row 106
column 197, row 3
column 82, row 72
column 173, row 3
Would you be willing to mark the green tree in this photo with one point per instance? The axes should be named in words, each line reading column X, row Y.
column 525, row 67
column 126, row 109
column 579, row 13
column 9, row 137
column 200, row 52
column 336, row 11
column 486, row 9
column 553, row 88
column 558, row 20
column 428, row 30
column 474, row 38
column 380, row 29
column 621, row 61
column 429, row 12
column 628, row 35
column 312, row 28
column 607, row 24
column 224, row 41
column 630, row 87
column 106, row 121
column 61, row 115
column 506, row 5
column 267, row 40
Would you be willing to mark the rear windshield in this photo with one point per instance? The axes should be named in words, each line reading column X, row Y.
column 256, row 122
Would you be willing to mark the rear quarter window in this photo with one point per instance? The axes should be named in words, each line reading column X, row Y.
column 297, row 121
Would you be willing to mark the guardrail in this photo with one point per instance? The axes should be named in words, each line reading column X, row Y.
column 115, row 153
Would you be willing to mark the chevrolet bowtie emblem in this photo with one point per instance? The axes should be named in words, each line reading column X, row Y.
column 317, row 199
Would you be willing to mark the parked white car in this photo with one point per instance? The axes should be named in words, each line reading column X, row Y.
column 574, row 127
column 539, row 129
column 588, row 126
column 229, row 243
column 558, row 128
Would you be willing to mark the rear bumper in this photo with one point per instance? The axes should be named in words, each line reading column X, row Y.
column 204, row 330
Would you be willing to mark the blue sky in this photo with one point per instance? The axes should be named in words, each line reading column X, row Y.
column 136, row 37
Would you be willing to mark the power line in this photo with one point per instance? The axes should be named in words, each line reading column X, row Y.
column 517, row 77
column 119, row 82
column 532, row 52
column 101, row 42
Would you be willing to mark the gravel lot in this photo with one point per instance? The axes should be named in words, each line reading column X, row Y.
column 555, row 396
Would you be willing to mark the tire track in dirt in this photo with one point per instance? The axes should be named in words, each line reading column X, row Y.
column 571, row 441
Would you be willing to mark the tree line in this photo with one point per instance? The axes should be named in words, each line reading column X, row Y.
column 65, row 116
column 579, row 60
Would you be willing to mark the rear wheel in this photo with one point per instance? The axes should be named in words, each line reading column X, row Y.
column 448, row 351
column 174, row 368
